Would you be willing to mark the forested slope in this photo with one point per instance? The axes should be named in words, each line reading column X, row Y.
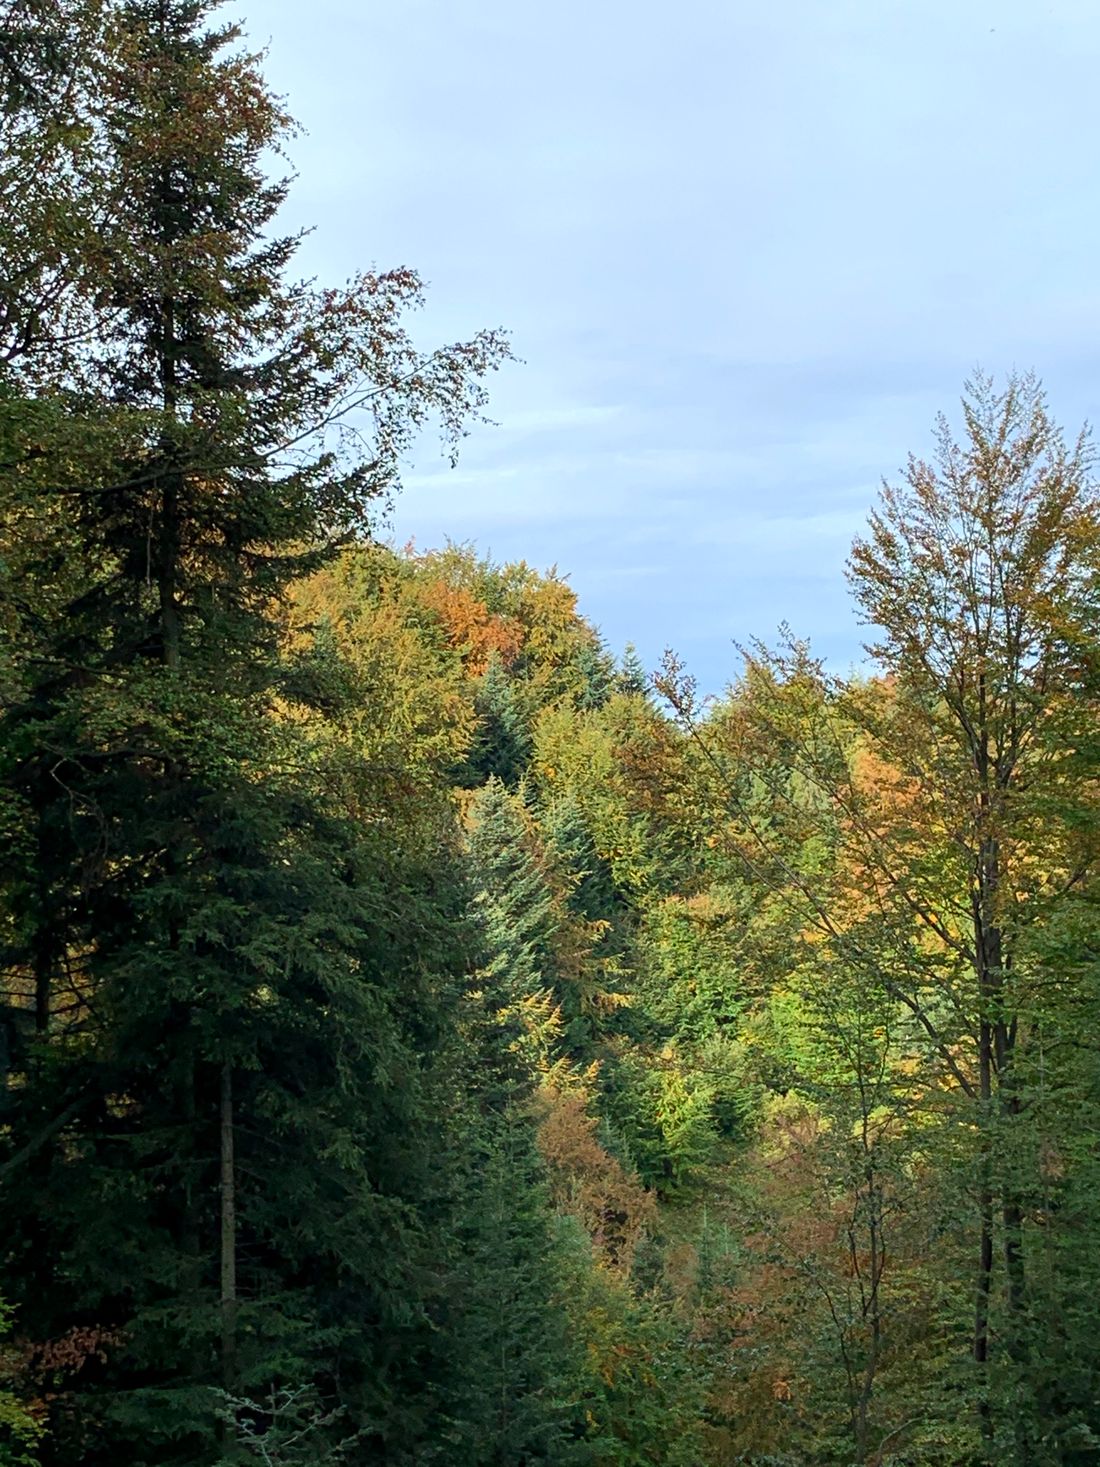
column 427, row 1037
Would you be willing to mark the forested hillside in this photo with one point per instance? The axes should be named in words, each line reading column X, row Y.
column 428, row 1036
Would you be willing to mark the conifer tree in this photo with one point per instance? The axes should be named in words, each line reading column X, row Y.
column 519, row 1373
column 596, row 671
column 501, row 743
column 517, row 1379
column 55, row 199
column 569, row 842
column 218, row 1154
column 515, row 900
column 632, row 680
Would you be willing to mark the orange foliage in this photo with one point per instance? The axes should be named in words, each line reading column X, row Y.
column 42, row 1369
column 471, row 628
column 71, row 1351
column 588, row 1182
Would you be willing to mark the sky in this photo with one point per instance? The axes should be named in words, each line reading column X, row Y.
column 746, row 250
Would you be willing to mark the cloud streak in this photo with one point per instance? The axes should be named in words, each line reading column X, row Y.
column 746, row 253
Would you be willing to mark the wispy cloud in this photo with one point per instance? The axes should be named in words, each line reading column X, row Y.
column 745, row 257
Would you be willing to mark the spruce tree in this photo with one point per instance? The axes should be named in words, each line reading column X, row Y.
column 219, row 1147
column 514, row 1397
column 501, row 743
column 551, row 964
column 515, row 901
column 515, row 1386
column 632, row 680
column 592, row 893
column 596, row 670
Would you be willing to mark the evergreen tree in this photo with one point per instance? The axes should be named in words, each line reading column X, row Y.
column 515, row 900
column 632, row 680
column 219, row 1148
column 517, row 1379
column 596, row 671
column 55, row 198
column 513, row 1399
column 569, row 842
column 501, row 742
column 553, row 962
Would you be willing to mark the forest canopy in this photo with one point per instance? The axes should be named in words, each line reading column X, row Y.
column 426, row 1035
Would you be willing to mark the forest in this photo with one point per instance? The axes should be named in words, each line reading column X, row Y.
column 429, row 1037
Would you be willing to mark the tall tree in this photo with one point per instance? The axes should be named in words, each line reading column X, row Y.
column 973, row 572
column 55, row 198
column 632, row 678
column 209, row 940
column 932, row 797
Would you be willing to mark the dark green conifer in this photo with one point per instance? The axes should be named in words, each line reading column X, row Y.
column 596, row 670
column 591, row 886
column 219, row 1152
column 502, row 744
column 514, row 1398
column 632, row 679
column 514, row 900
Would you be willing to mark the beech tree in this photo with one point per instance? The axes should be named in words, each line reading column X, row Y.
column 973, row 576
column 940, row 789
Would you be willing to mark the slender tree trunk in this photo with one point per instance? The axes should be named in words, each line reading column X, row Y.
column 166, row 580
column 47, row 928
column 168, row 550
column 190, row 1224
column 1012, row 1216
column 985, row 1233
column 872, row 1303
column 998, row 1103
column 228, row 1235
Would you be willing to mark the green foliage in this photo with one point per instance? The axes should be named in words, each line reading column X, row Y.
column 663, row 1116
column 515, row 1389
column 702, row 959
column 642, row 1394
column 501, row 742
column 515, row 897
column 21, row 1432
column 632, row 679
column 591, row 887
column 241, row 944
column 595, row 670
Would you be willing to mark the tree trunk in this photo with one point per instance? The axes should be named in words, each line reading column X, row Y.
column 168, row 550
column 985, row 1234
column 47, row 920
column 228, row 1235
column 998, row 1103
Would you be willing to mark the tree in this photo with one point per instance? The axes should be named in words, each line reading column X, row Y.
column 55, row 199
column 595, row 669
column 515, row 899
column 632, row 679
column 512, row 1399
column 569, row 842
column 501, row 741
column 934, row 788
column 515, row 1395
column 210, row 918
column 974, row 571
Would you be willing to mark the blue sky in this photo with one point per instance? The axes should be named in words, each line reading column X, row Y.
column 746, row 250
